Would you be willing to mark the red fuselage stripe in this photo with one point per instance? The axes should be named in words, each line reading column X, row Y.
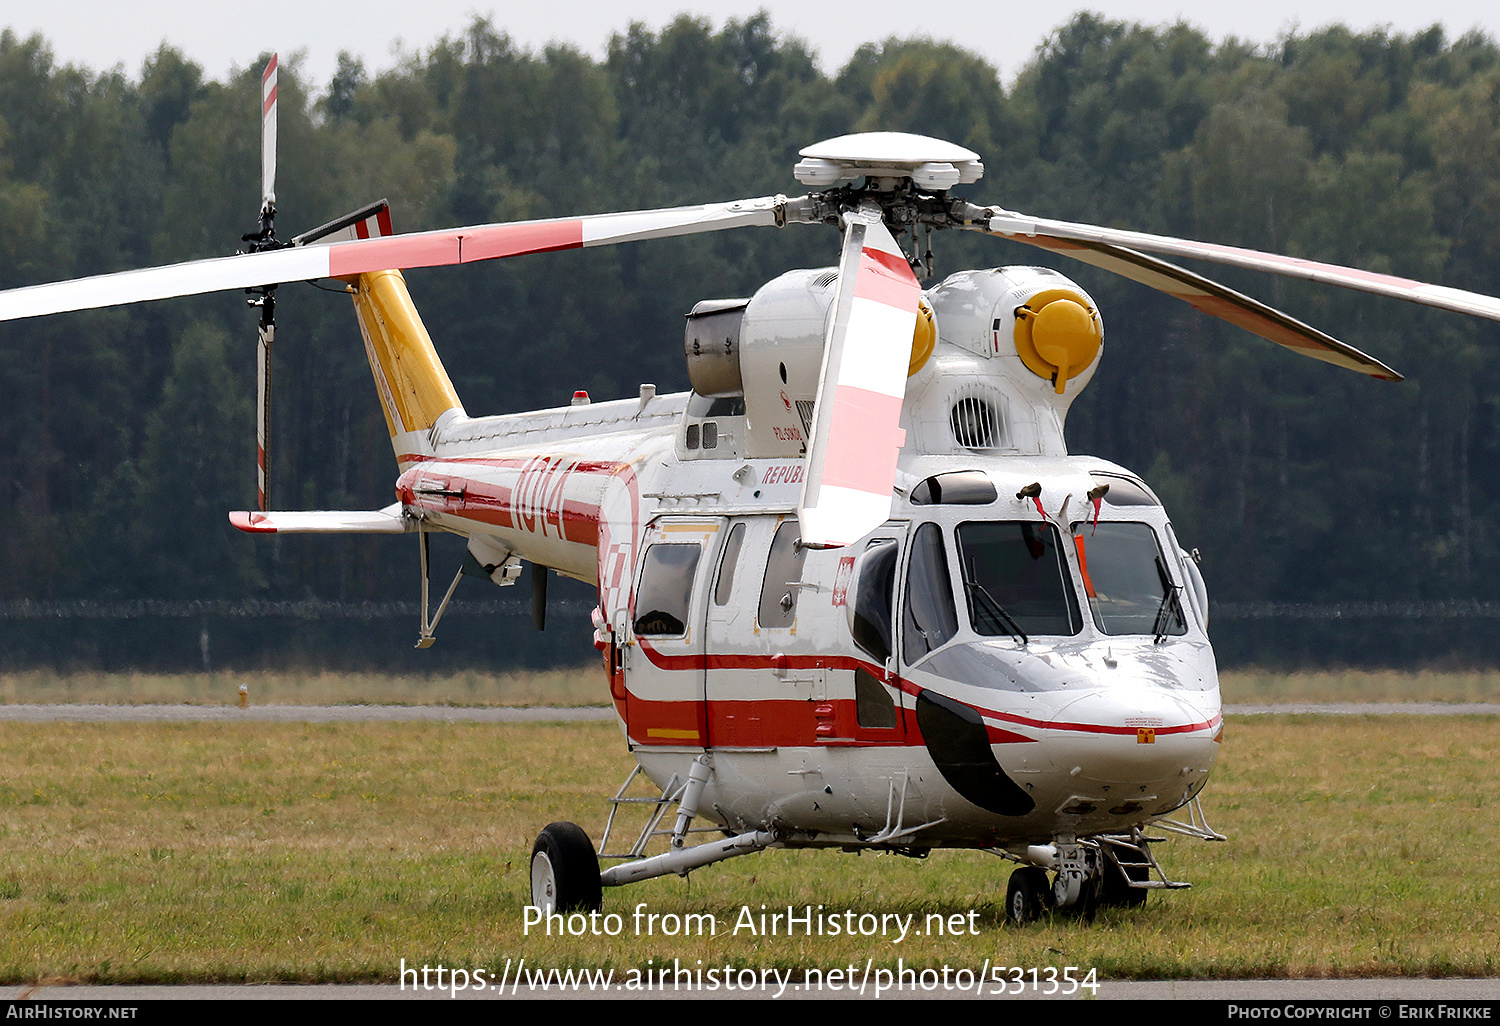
column 768, row 663
column 490, row 503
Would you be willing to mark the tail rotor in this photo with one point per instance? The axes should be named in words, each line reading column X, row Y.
column 265, row 296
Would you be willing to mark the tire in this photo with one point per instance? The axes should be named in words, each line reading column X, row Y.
column 1027, row 895
column 565, row 870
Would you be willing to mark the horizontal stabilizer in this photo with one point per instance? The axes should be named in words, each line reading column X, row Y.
column 368, row 222
column 325, row 521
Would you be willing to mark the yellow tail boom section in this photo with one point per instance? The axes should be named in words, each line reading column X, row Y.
column 415, row 391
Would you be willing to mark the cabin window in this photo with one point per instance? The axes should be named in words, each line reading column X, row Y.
column 1016, row 579
column 1125, row 492
column 875, row 594
column 665, row 595
column 930, row 618
column 873, row 705
column 956, row 488
column 1126, row 579
column 727, row 564
column 778, row 593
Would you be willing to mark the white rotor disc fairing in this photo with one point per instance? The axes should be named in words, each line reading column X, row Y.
column 931, row 163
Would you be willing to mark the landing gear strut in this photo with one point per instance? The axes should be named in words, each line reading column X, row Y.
column 1106, row 870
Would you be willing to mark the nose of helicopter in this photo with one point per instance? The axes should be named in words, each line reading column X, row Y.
column 1136, row 741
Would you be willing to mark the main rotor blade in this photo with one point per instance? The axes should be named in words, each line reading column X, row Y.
column 1025, row 228
column 345, row 259
column 1217, row 301
column 856, row 430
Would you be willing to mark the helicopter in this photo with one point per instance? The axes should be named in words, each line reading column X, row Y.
column 854, row 592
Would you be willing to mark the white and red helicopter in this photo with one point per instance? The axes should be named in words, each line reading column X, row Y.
column 853, row 590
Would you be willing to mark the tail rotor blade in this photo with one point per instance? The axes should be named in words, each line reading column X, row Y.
column 268, row 136
column 263, row 402
column 856, row 435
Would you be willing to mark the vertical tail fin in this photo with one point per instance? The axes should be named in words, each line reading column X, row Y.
column 415, row 391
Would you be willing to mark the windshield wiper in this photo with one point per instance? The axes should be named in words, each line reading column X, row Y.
column 993, row 611
column 1162, row 625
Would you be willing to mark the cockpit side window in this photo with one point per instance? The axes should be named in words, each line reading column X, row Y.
column 1016, row 579
column 930, row 619
column 1129, row 588
column 875, row 594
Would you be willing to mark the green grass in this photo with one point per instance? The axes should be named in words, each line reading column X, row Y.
column 565, row 687
column 1257, row 686
column 133, row 853
column 585, row 686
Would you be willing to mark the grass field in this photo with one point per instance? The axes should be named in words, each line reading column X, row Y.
column 567, row 687
column 1358, row 846
column 585, row 686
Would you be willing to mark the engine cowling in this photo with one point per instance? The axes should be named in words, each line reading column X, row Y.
column 1039, row 335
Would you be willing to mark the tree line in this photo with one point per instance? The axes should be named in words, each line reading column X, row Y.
column 126, row 434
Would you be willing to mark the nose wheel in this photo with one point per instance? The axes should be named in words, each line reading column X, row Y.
column 1028, row 895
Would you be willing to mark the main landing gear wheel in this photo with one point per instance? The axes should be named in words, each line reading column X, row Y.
column 1027, row 896
column 565, row 870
